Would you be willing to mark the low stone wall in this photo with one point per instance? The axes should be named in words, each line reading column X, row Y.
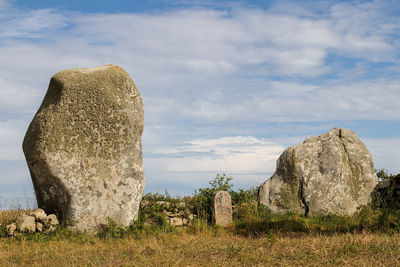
column 177, row 213
column 35, row 221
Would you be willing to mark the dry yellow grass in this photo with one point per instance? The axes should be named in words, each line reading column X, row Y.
column 11, row 215
column 207, row 249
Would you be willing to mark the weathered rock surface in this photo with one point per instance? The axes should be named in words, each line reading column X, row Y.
column 39, row 227
column 328, row 174
column 39, row 214
column 83, row 147
column 11, row 229
column 37, row 220
column 52, row 220
column 26, row 223
column 222, row 208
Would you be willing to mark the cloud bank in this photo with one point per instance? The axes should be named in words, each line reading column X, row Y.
column 221, row 86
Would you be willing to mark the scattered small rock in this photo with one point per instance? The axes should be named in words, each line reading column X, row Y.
column 175, row 221
column 52, row 219
column 26, row 223
column 52, row 228
column 39, row 214
column 144, row 203
column 11, row 229
column 163, row 203
column 39, row 227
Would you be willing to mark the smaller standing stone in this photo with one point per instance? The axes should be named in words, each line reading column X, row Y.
column 222, row 208
column 39, row 215
column 26, row 223
column 11, row 229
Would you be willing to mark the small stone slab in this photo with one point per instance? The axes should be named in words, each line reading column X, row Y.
column 222, row 208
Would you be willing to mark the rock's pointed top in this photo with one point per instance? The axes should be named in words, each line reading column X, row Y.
column 94, row 69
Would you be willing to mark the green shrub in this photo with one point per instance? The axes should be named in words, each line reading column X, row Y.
column 202, row 200
column 383, row 174
column 387, row 197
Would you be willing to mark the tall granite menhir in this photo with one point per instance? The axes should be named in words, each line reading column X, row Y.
column 83, row 148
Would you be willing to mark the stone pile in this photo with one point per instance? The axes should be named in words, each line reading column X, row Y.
column 178, row 218
column 177, row 213
column 36, row 221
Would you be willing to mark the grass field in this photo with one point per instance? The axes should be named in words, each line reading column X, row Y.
column 286, row 240
column 370, row 237
column 214, row 248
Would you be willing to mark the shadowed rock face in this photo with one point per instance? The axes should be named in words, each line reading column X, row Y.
column 328, row 174
column 83, row 147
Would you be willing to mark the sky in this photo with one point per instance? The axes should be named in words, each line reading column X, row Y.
column 226, row 85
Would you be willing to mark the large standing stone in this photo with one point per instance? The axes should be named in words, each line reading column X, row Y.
column 222, row 208
column 83, row 147
column 328, row 174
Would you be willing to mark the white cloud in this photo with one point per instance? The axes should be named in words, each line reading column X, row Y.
column 222, row 42
column 207, row 73
column 18, row 95
column 249, row 160
column 180, row 57
column 364, row 28
column 240, row 155
column 11, row 136
column 385, row 152
column 194, row 58
column 27, row 24
column 290, row 102
column 4, row 4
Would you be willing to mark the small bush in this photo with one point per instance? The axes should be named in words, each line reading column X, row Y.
column 202, row 201
column 383, row 174
column 387, row 194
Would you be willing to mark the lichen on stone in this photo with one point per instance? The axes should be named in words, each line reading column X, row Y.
column 88, row 131
column 328, row 174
